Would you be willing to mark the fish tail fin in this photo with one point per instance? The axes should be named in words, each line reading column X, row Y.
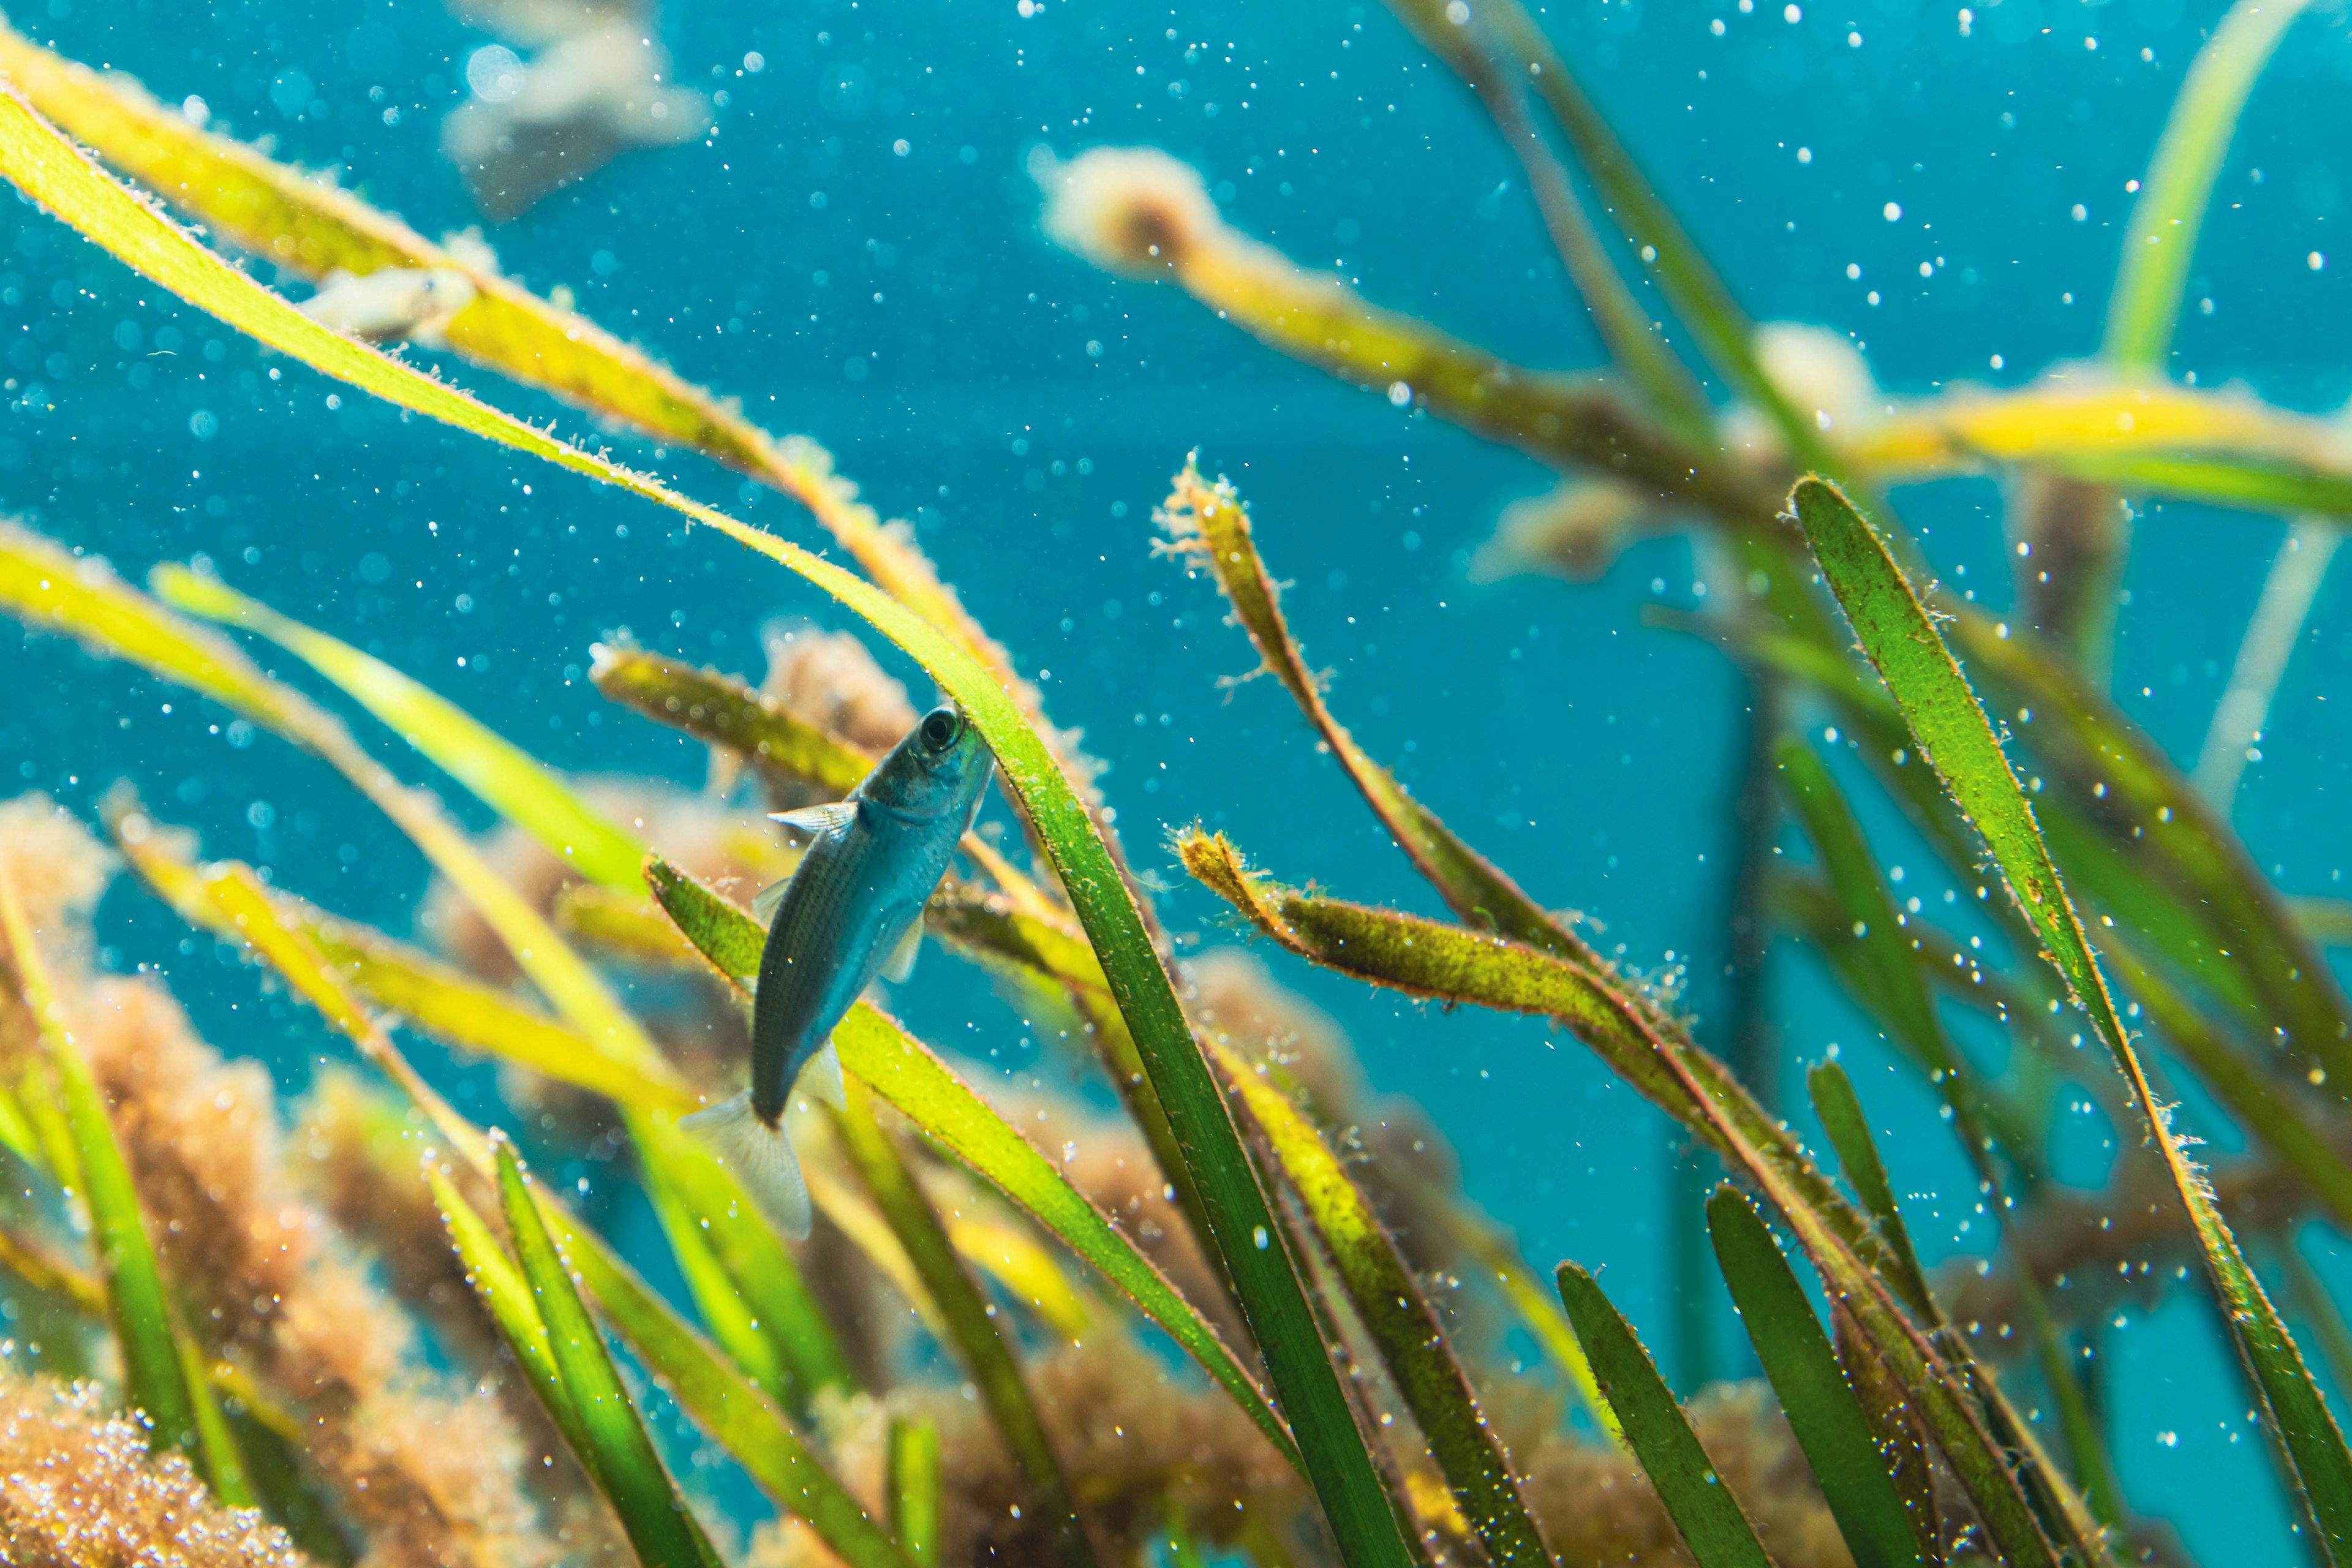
column 761, row 1156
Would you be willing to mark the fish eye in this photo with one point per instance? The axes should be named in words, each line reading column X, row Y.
column 941, row 727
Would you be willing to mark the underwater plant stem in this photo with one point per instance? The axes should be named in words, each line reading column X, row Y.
column 2162, row 239
column 1635, row 344
column 971, row 1321
column 2289, row 591
column 1553, row 418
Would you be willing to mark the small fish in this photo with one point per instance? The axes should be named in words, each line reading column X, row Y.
column 851, row 912
column 392, row 304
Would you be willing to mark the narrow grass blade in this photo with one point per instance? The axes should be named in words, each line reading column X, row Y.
column 619, row 1452
column 1894, row 1427
column 2317, row 1309
column 1822, row 1411
column 738, row 1417
column 1893, row 965
column 972, row 1327
column 154, row 1374
column 509, row 1301
column 2060, row 423
column 1208, row 526
column 518, row 787
column 1401, row 1323
column 726, row 712
column 913, row 1480
column 2172, row 208
column 431, row 995
column 50, row 171
column 1537, row 1310
column 922, row 1088
column 1707, row 1516
column 1957, row 740
column 17, row 1133
column 220, row 1458
column 726, row 1317
column 2244, row 481
column 2266, row 1108
column 2289, row 589
column 1009, row 1252
column 1849, row 1133
column 1320, row 319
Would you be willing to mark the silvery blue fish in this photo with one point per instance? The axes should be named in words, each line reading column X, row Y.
column 851, row 912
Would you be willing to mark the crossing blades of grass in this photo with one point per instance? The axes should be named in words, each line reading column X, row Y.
column 1841, row 1116
column 1683, row 274
column 1390, row 1302
column 619, row 1452
column 2150, row 815
column 311, row 228
column 1955, row 738
column 1424, row 958
column 1893, row 965
column 523, row 791
column 738, row 1416
column 1828, row 1421
column 1708, row 1517
column 903, row 1071
column 988, row 1357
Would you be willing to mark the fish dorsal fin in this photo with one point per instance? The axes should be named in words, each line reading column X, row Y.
column 765, row 902
column 901, row 961
column 810, row 823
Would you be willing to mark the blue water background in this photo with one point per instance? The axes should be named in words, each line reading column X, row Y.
column 1026, row 411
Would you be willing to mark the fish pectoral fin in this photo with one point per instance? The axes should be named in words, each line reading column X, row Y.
column 761, row 1156
column 765, row 902
column 810, row 823
column 900, row 964
column 822, row 1077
